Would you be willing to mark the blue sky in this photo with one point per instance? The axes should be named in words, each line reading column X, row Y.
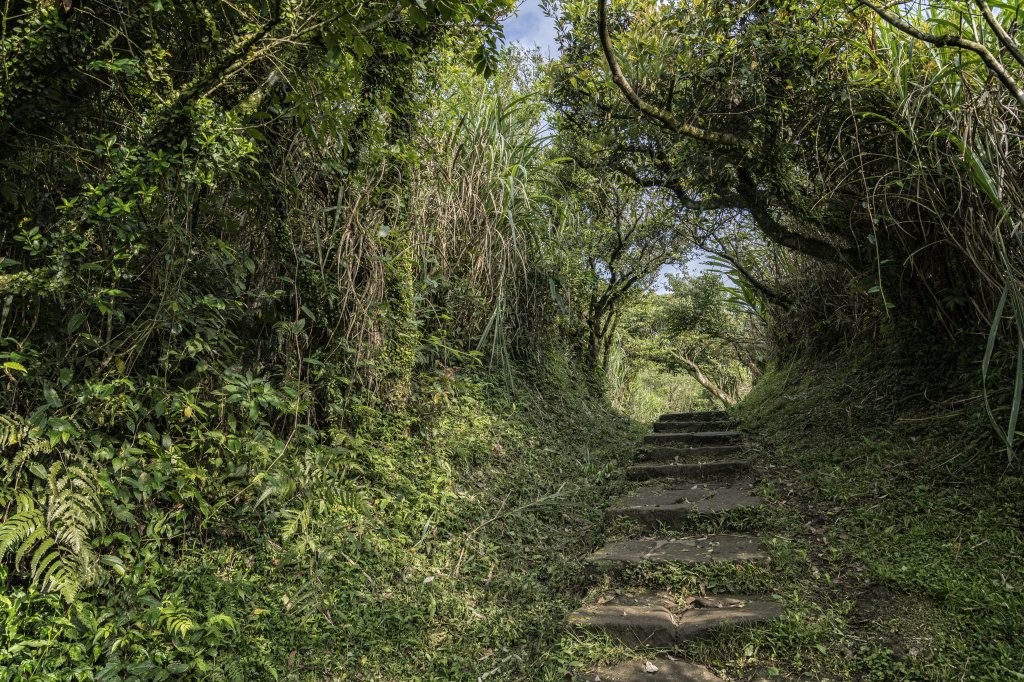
column 531, row 28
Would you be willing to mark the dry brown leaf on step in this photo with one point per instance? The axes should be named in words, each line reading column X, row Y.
column 650, row 667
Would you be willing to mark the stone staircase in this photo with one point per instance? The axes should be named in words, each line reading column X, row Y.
column 695, row 469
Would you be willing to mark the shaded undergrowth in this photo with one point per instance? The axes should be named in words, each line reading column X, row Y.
column 892, row 521
column 459, row 562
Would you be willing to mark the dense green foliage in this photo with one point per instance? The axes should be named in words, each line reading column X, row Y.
column 259, row 263
column 228, row 309
column 448, row 549
column 318, row 320
column 863, row 183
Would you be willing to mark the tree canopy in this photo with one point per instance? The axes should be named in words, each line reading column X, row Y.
column 255, row 256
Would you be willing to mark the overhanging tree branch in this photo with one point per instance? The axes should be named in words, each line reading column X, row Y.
column 755, row 204
column 679, row 191
column 993, row 64
column 231, row 62
column 1004, row 38
column 748, row 198
column 665, row 118
column 704, row 380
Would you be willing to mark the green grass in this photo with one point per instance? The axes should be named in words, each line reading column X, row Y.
column 892, row 525
column 894, row 531
column 460, row 559
column 485, row 589
column 907, row 521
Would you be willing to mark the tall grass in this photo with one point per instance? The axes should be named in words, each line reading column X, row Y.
column 952, row 188
column 483, row 222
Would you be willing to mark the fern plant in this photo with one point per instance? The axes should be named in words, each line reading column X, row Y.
column 47, row 524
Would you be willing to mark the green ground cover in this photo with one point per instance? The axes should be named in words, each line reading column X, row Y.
column 894, row 530
column 454, row 553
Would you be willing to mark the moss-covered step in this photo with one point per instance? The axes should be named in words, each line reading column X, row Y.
column 706, row 549
column 654, row 670
column 695, row 472
column 716, row 415
column 657, row 620
column 697, row 439
column 690, row 427
column 686, row 453
column 673, row 506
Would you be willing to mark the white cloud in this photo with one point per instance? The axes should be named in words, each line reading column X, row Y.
column 530, row 27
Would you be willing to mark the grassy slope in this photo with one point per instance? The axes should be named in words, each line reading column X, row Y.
column 440, row 546
column 902, row 526
column 894, row 528
column 482, row 588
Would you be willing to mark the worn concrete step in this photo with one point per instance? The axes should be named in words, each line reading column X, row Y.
column 722, row 470
column 708, row 549
column 654, row 670
column 657, row 620
column 672, row 507
column 715, row 415
column 658, row 506
column 704, row 615
column 691, row 427
column 686, row 453
column 643, row 620
column 694, row 439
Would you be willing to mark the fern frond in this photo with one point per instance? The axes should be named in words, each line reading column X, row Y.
column 61, row 578
column 233, row 671
column 43, row 557
column 33, row 539
column 21, row 525
column 56, row 536
column 12, row 431
column 175, row 617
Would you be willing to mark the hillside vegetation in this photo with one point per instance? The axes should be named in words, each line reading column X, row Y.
column 902, row 513
column 325, row 327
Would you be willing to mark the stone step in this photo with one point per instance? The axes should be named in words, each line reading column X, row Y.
column 689, row 471
column 708, row 549
column 654, row 670
column 692, row 427
column 644, row 620
column 694, row 439
column 684, row 453
column 715, row 415
column 658, row 506
column 656, row 620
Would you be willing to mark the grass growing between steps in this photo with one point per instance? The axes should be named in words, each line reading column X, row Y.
column 761, row 520
column 909, row 523
column 894, row 530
